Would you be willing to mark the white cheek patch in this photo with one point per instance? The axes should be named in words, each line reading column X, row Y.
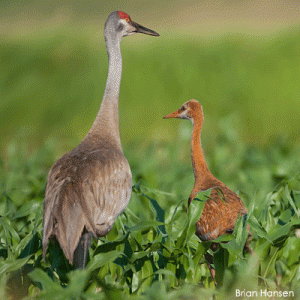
column 184, row 115
column 123, row 22
column 127, row 29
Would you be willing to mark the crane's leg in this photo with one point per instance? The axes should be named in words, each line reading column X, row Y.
column 209, row 258
column 82, row 250
column 212, row 270
column 247, row 247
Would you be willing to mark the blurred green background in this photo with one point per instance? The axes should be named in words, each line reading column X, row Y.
column 239, row 59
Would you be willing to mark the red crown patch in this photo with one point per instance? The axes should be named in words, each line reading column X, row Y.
column 123, row 15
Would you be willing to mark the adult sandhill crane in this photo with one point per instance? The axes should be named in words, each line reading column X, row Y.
column 90, row 186
column 223, row 206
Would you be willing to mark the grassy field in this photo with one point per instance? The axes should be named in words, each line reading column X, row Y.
column 152, row 252
column 52, row 81
column 52, row 84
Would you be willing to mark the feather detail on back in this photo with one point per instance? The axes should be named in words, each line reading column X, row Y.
column 86, row 189
column 219, row 213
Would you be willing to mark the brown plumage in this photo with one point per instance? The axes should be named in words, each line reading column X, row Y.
column 90, row 186
column 86, row 190
column 223, row 206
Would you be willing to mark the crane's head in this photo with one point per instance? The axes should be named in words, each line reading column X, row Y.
column 191, row 110
column 128, row 27
column 120, row 24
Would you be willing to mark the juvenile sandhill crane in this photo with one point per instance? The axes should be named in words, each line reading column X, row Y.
column 90, row 186
column 223, row 206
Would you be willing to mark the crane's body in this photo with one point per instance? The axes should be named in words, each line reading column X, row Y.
column 223, row 206
column 220, row 211
column 90, row 186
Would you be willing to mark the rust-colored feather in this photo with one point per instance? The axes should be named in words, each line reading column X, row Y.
column 219, row 213
column 223, row 207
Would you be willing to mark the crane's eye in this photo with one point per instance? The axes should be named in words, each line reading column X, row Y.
column 182, row 108
column 120, row 27
column 127, row 20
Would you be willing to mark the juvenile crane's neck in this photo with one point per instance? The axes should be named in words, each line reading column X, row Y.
column 201, row 171
column 106, row 124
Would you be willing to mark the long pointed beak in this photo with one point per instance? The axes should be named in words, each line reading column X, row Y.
column 174, row 114
column 141, row 29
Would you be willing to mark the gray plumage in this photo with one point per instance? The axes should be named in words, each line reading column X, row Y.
column 89, row 187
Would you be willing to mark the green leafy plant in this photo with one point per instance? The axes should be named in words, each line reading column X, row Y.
column 153, row 252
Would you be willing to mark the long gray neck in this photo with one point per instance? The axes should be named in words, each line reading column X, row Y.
column 106, row 124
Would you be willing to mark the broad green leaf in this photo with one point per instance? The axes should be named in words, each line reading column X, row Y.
column 287, row 194
column 146, row 225
column 164, row 272
column 220, row 257
column 138, row 255
column 195, row 212
column 32, row 246
column 263, row 249
column 103, row 258
column 23, row 243
column 171, row 267
column 202, row 248
column 224, row 238
column 271, row 264
column 147, row 274
column 279, row 233
column 292, row 247
column 109, row 246
column 129, row 213
column 10, row 265
column 257, row 228
column 175, row 212
column 241, row 235
column 47, row 283
column 234, row 248
column 160, row 213
column 11, row 234
column 27, row 209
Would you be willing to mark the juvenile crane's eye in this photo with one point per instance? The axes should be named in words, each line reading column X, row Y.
column 182, row 108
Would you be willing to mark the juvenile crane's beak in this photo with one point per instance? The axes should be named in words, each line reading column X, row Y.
column 174, row 114
column 141, row 29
